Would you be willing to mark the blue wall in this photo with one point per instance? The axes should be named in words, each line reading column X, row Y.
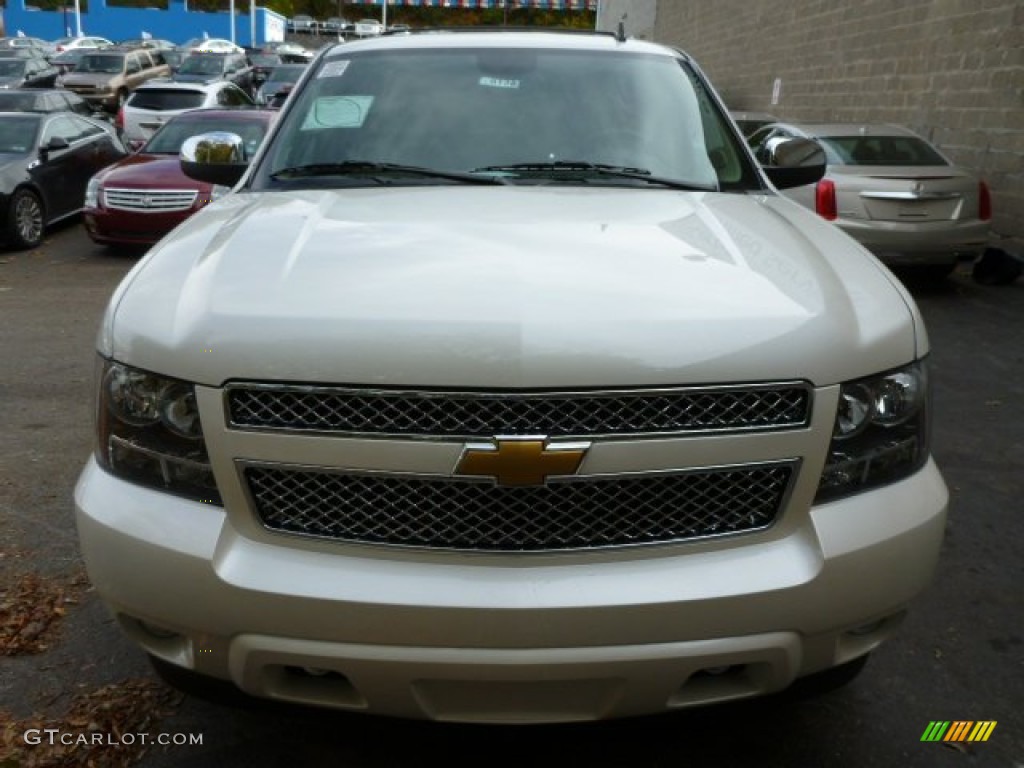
column 177, row 24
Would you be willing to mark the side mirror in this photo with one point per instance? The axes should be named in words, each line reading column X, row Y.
column 216, row 158
column 793, row 162
column 55, row 144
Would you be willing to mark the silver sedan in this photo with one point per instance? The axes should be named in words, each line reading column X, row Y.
column 893, row 192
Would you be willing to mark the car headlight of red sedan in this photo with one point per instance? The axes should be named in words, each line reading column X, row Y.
column 92, row 193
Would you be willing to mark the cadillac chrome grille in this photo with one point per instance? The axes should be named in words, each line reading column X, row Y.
column 483, row 414
column 577, row 514
column 149, row 200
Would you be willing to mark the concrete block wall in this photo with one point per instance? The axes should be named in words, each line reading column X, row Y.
column 952, row 70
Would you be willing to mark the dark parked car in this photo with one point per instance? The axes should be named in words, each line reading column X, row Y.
column 210, row 67
column 143, row 197
column 262, row 65
column 43, row 100
column 46, row 160
column 280, row 79
column 66, row 61
column 32, row 72
column 173, row 57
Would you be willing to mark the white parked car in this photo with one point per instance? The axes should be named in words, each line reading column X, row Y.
column 73, row 43
column 368, row 28
column 211, row 45
column 154, row 103
column 504, row 387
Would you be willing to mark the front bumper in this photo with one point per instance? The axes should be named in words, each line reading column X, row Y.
column 509, row 638
column 122, row 228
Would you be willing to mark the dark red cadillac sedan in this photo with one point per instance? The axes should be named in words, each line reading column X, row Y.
column 138, row 200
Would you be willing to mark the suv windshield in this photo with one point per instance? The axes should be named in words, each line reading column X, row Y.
column 105, row 64
column 529, row 115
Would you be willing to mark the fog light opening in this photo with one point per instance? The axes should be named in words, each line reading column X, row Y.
column 716, row 671
column 158, row 632
column 317, row 671
column 866, row 629
column 310, row 684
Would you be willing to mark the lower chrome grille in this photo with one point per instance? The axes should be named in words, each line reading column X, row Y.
column 582, row 513
column 149, row 200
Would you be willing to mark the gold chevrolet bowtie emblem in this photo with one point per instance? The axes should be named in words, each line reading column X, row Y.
column 513, row 461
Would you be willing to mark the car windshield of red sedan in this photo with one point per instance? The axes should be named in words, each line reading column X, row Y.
column 168, row 140
column 879, row 150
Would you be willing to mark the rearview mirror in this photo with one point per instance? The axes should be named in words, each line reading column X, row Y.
column 793, row 162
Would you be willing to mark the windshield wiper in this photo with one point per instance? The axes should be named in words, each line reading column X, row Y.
column 366, row 168
column 599, row 169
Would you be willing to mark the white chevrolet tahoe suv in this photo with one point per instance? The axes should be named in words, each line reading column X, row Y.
column 505, row 387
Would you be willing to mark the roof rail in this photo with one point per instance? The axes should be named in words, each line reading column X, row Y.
column 496, row 28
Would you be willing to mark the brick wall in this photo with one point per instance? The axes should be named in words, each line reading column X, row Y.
column 952, row 70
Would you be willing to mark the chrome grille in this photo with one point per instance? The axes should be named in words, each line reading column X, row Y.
column 581, row 513
column 149, row 200
column 484, row 414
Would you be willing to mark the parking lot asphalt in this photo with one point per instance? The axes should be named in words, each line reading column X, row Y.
column 958, row 657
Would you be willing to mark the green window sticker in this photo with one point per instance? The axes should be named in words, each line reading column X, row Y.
column 338, row 112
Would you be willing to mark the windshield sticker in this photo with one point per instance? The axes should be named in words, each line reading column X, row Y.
column 338, row 112
column 334, row 68
column 495, row 82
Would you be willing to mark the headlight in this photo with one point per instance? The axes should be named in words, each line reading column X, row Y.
column 92, row 193
column 881, row 432
column 149, row 432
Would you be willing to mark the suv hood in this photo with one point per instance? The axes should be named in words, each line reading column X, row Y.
column 509, row 287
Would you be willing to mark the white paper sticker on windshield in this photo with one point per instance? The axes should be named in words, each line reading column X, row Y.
column 338, row 112
column 334, row 68
column 497, row 82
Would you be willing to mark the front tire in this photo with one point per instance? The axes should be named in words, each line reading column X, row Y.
column 25, row 220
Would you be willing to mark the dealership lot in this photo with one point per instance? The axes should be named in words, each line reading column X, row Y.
column 960, row 655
